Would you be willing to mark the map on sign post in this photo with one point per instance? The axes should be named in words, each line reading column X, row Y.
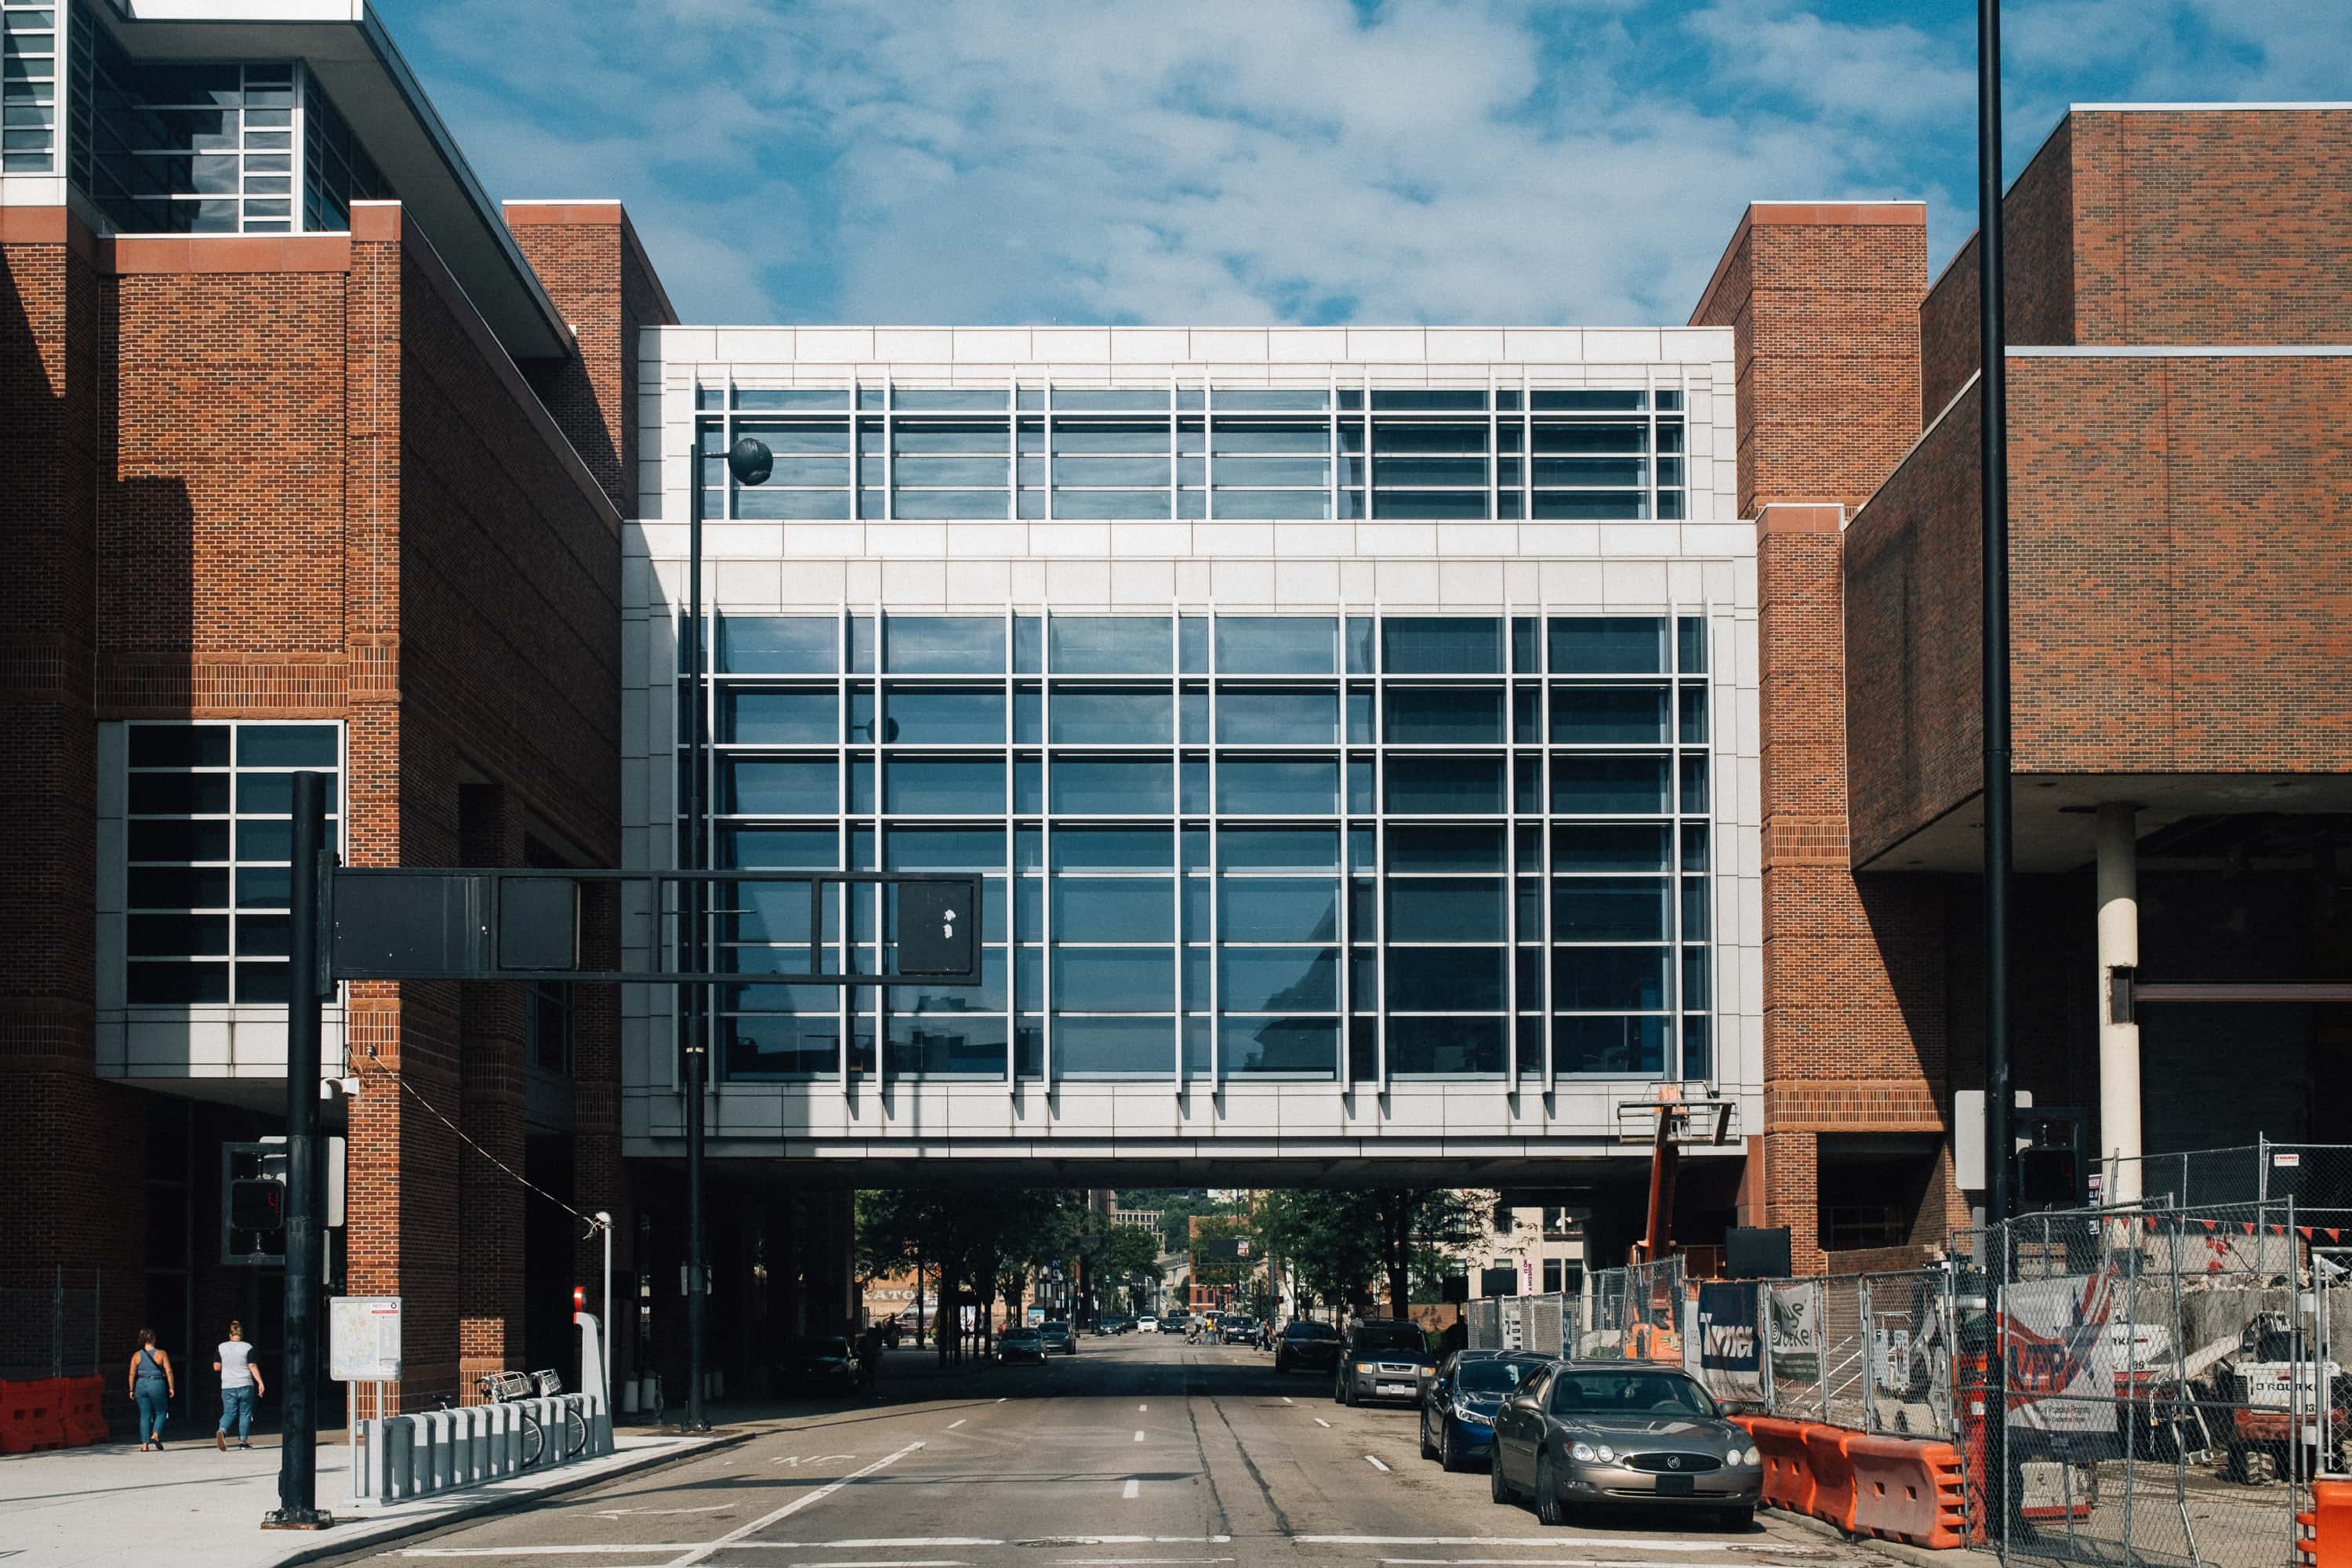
column 363, row 1339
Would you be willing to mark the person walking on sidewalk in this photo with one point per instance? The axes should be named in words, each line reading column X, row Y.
column 241, row 1384
column 154, row 1386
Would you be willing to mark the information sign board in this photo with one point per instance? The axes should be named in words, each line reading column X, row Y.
column 363, row 1339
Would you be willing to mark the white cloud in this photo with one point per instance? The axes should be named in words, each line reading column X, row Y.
column 1241, row 160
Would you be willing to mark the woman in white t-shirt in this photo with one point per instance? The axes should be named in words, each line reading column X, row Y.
column 240, row 1387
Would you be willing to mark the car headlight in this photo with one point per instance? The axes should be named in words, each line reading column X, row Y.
column 1749, row 1456
column 1463, row 1414
column 1363, row 1366
column 1582, row 1451
column 1606, row 1453
column 1731, row 1456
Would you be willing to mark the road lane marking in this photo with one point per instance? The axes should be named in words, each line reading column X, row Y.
column 701, row 1552
column 1133, row 1489
column 1321, row 1422
column 798, row 1460
column 1286, row 1399
column 1617, row 1543
column 1139, row 1436
column 953, row 1424
column 1518, row 1562
column 1143, row 1407
column 1376, row 1464
column 648, row 1512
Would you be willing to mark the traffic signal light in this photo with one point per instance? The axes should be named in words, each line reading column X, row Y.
column 256, row 1202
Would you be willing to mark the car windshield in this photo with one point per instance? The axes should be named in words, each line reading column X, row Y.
column 1057, row 1328
column 816, row 1347
column 1492, row 1377
column 1391, row 1337
column 1021, row 1334
column 1629, row 1394
column 1310, row 1331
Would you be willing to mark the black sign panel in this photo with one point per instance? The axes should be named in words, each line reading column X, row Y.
column 936, row 928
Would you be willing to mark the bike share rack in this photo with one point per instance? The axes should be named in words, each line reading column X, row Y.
column 405, row 1458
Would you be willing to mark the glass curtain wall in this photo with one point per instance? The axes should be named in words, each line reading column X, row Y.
column 882, row 452
column 1242, row 847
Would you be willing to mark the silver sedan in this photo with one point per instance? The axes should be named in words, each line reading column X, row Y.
column 1589, row 1433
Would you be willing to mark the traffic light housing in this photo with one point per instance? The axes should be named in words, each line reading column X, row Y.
column 256, row 1202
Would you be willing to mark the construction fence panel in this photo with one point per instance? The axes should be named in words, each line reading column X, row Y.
column 48, row 1323
column 1845, row 1351
column 1907, row 1327
column 1484, row 1320
column 2164, row 1403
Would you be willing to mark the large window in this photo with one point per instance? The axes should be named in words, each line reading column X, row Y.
column 211, row 147
column 1183, row 451
column 209, row 842
column 1251, row 847
column 28, row 88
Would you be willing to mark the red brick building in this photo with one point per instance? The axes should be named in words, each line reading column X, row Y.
column 2181, row 332
column 327, row 473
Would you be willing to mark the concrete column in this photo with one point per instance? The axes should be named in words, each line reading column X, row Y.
column 2118, row 889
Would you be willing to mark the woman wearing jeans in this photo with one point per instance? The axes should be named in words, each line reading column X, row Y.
column 152, row 1388
column 240, row 1387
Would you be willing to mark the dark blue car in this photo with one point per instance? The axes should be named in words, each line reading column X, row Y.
column 1457, row 1418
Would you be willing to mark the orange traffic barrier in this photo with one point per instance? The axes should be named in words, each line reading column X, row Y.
column 2326, row 1533
column 1788, row 1473
column 1825, row 1456
column 29, row 1418
column 1906, row 1489
column 84, row 1422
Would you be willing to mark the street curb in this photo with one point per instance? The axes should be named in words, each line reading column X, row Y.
column 403, row 1530
column 1901, row 1551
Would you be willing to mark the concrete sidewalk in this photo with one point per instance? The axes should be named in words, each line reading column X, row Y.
column 190, row 1504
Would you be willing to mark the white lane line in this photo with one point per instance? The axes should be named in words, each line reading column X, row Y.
column 1143, row 1407
column 1376, row 1464
column 953, row 1424
column 1518, row 1562
column 1321, row 1422
column 1139, row 1436
column 1003, row 1397
column 1133, row 1489
column 709, row 1548
column 1618, row 1544
column 545, row 1551
column 1286, row 1399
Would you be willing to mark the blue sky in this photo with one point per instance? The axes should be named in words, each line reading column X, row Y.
column 1277, row 160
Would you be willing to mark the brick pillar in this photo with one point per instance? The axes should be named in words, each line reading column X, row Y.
column 490, row 1201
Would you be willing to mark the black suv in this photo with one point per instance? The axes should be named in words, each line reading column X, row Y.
column 1383, row 1358
column 1306, row 1346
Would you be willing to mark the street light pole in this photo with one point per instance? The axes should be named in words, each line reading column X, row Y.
column 2000, row 1151
column 693, row 999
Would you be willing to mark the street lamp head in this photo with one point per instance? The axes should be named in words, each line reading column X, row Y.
column 750, row 461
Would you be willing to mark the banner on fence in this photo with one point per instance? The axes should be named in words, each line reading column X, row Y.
column 2060, row 1345
column 1724, row 1352
column 1796, row 1332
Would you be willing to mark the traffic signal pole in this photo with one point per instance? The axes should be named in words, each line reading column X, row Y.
column 297, row 1455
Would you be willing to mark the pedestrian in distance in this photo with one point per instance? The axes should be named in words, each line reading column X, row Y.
column 870, row 1359
column 154, row 1386
column 241, row 1385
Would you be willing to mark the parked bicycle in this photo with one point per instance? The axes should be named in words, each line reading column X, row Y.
column 517, row 1389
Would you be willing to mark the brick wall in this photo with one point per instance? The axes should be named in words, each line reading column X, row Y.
column 2180, row 584
column 259, row 476
column 2173, row 226
column 1823, row 301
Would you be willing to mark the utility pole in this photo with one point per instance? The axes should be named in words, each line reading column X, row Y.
column 297, row 1455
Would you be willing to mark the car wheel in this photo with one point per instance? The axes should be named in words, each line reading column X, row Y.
column 1740, row 1520
column 1338, row 1397
column 1353, row 1395
column 1449, row 1455
column 1428, row 1449
column 1547, row 1505
column 1498, row 1487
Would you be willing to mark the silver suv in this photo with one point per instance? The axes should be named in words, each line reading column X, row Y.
column 1383, row 1358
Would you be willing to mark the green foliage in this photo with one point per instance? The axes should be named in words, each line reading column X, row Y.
column 1345, row 1242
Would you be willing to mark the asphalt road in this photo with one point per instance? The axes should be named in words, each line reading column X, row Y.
column 1139, row 1451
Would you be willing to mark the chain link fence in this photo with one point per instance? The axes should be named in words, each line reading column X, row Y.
column 48, row 1323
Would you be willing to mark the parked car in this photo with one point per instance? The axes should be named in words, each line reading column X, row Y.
column 819, row 1362
column 1382, row 1358
column 1457, row 1419
column 1147, row 1324
column 1234, row 1331
column 1586, row 1433
column 1058, row 1338
column 1306, row 1346
column 1106, row 1327
column 1020, row 1344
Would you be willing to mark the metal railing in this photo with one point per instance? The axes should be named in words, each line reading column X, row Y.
column 50, row 1323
